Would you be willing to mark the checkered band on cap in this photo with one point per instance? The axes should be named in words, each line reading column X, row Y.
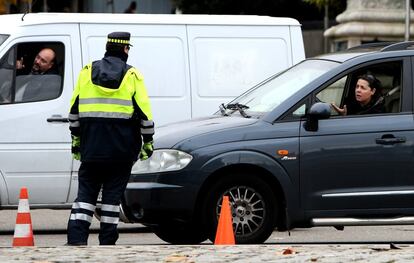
column 119, row 38
column 118, row 41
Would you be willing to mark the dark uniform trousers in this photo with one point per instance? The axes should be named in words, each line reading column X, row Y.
column 113, row 177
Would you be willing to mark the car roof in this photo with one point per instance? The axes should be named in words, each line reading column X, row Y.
column 371, row 48
column 342, row 56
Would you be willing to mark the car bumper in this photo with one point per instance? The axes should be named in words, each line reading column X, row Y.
column 150, row 200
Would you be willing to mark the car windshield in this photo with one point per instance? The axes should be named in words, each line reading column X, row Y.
column 277, row 89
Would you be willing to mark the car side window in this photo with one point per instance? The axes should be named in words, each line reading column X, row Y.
column 387, row 96
column 391, row 78
column 342, row 91
column 383, row 81
column 31, row 71
column 333, row 93
column 299, row 111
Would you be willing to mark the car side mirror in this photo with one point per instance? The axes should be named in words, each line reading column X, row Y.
column 317, row 111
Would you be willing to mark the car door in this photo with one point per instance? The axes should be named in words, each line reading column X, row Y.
column 34, row 141
column 360, row 164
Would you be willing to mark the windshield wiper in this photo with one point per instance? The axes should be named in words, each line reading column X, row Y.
column 239, row 107
column 223, row 108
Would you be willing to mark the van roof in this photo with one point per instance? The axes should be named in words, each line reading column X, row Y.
column 98, row 18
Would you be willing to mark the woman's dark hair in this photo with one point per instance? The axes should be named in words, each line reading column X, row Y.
column 373, row 83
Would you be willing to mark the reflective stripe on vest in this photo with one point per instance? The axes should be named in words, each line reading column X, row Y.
column 102, row 114
column 101, row 102
column 106, row 101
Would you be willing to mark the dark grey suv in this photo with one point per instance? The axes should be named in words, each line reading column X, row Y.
column 285, row 157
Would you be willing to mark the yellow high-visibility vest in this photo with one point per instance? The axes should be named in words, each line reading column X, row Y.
column 101, row 102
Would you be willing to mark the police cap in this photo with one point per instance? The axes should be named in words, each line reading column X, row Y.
column 119, row 38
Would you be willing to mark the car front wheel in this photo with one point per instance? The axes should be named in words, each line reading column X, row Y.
column 253, row 208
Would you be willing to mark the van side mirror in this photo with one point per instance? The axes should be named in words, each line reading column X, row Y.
column 317, row 111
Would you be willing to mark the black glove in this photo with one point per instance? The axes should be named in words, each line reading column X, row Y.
column 76, row 147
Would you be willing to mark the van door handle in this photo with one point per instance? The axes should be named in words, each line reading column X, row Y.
column 388, row 139
column 57, row 118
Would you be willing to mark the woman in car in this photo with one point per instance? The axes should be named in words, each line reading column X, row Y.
column 368, row 98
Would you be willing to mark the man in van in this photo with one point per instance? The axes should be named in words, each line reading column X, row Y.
column 44, row 63
column 42, row 82
column 109, row 118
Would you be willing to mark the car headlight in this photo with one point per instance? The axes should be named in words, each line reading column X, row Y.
column 163, row 160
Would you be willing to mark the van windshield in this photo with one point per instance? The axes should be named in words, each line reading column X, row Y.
column 3, row 38
column 277, row 89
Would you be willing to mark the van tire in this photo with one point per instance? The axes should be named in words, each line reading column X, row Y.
column 258, row 224
column 179, row 234
column 125, row 215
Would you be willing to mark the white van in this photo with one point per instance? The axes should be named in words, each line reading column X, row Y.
column 191, row 64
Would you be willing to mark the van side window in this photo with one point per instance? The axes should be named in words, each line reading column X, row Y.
column 31, row 72
column 6, row 75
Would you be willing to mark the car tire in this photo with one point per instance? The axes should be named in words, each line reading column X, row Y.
column 179, row 234
column 253, row 207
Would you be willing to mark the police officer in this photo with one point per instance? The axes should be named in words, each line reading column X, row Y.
column 110, row 118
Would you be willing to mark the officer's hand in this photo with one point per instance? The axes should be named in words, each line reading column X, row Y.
column 146, row 151
column 76, row 147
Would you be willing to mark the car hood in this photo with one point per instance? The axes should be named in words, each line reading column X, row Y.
column 172, row 134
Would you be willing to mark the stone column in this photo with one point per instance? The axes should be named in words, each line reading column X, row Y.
column 366, row 21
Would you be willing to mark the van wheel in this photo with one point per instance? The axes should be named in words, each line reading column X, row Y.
column 253, row 208
column 179, row 234
column 124, row 213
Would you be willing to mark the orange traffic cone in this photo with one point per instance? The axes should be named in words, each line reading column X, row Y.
column 225, row 234
column 23, row 231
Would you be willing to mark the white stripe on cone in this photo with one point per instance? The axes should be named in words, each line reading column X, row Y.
column 22, row 230
column 23, row 206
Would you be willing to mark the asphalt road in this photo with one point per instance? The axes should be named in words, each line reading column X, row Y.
column 50, row 230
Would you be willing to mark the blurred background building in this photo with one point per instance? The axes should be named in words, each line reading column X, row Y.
column 368, row 21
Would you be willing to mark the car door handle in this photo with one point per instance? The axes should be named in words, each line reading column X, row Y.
column 57, row 118
column 390, row 139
